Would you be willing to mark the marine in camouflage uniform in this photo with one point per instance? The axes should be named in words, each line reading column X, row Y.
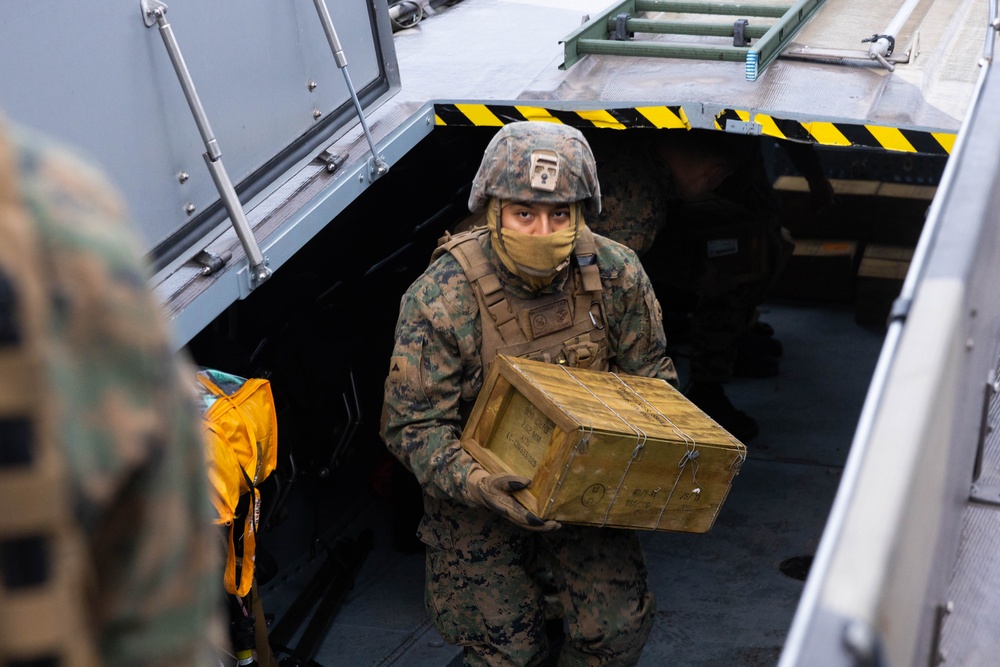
column 108, row 554
column 638, row 191
column 481, row 551
column 659, row 201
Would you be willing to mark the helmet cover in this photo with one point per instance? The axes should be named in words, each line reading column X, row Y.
column 537, row 161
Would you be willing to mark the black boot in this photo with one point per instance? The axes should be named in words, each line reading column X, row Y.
column 757, row 355
column 712, row 399
column 763, row 333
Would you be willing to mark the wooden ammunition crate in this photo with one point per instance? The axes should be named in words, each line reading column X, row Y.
column 601, row 448
column 819, row 269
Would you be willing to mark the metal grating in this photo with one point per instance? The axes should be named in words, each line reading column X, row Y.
column 968, row 635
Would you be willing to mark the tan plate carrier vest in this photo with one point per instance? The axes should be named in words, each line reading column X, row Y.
column 568, row 327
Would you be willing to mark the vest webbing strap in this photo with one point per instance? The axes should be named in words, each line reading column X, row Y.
column 42, row 616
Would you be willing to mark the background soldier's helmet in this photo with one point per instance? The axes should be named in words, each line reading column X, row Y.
column 537, row 162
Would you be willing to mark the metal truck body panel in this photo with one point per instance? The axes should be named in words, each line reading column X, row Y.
column 102, row 81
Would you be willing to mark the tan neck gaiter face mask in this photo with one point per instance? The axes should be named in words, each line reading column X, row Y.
column 535, row 259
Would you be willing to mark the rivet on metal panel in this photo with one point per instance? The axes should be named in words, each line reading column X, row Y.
column 317, row 114
column 183, row 176
column 312, row 86
column 189, row 208
column 969, row 343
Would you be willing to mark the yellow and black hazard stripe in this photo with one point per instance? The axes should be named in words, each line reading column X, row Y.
column 844, row 134
column 825, row 133
column 495, row 115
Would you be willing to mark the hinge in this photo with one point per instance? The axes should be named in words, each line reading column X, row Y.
column 210, row 262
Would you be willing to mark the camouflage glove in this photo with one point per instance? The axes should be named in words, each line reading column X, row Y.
column 495, row 492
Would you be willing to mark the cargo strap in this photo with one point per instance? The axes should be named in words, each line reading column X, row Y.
column 43, row 572
column 565, row 328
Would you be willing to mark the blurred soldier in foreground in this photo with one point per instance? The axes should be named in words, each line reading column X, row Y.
column 699, row 210
column 536, row 255
column 107, row 553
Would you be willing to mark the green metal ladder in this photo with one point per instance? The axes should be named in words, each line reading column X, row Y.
column 610, row 33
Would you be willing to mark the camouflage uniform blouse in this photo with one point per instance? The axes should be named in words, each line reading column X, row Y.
column 436, row 365
column 114, row 405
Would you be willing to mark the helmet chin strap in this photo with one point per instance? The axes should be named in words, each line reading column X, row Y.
column 493, row 214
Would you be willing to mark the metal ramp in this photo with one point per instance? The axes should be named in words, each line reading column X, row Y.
column 612, row 32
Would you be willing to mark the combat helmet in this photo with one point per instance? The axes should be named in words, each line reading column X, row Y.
column 538, row 162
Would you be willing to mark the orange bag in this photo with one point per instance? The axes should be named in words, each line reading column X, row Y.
column 241, row 439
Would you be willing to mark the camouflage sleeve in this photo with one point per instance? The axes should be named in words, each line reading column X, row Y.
column 128, row 421
column 635, row 320
column 435, row 367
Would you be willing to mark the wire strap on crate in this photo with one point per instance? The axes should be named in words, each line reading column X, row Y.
column 586, row 430
column 640, row 442
column 690, row 449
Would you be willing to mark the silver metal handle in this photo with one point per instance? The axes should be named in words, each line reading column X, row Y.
column 154, row 12
column 380, row 167
column 991, row 32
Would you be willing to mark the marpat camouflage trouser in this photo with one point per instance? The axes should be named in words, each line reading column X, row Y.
column 481, row 592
